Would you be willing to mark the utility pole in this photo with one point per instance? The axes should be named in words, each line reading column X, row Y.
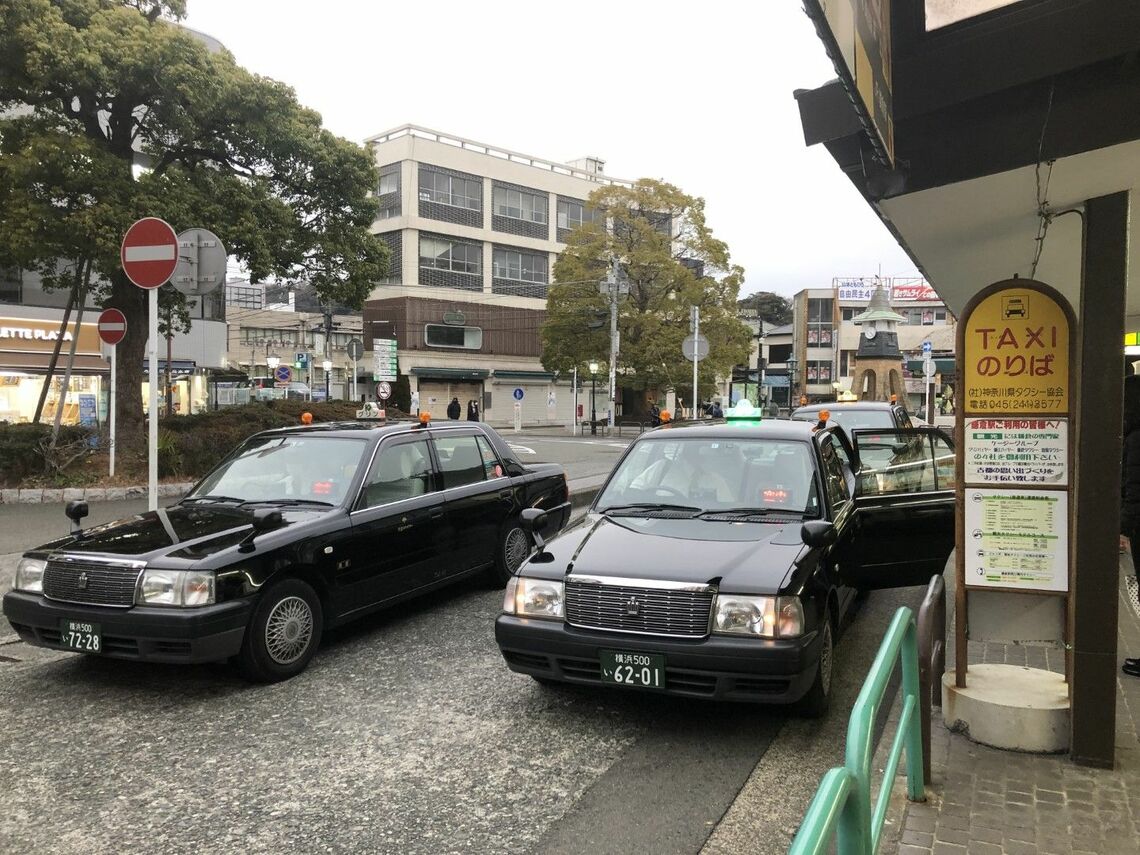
column 614, row 289
column 696, row 317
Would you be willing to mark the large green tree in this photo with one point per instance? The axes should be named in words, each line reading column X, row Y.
column 667, row 254
column 774, row 309
column 112, row 112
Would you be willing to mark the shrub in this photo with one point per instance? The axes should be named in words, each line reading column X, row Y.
column 25, row 452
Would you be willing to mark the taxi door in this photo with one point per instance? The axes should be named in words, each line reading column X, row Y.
column 904, row 507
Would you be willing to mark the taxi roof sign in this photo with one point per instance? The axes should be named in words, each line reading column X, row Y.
column 743, row 412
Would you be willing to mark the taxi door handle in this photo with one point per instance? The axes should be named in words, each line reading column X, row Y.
column 506, row 494
column 436, row 514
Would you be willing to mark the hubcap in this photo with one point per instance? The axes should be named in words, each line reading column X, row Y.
column 289, row 630
column 515, row 549
column 825, row 653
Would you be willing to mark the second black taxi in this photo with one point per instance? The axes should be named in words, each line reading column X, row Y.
column 297, row 530
column 720, row 560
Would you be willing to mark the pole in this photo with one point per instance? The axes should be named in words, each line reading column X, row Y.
column 114, row 389
column 574, row 410
column 354, row 379
column 593, row 400
column 152, row 401
column 696, row 340
column 613, row 342
column 328, row 371
column 169, row 391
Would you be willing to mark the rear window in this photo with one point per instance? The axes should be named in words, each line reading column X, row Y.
column 851, row 419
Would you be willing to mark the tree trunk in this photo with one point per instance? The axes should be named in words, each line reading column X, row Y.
column 55, row 352
column 132, row 302
column 81, row 298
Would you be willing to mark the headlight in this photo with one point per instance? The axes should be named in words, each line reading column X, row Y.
column 540, row 598
column 30, row 575
column 761, row 617
column 175, row 588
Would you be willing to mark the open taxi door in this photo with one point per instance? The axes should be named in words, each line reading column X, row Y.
column 904, row 507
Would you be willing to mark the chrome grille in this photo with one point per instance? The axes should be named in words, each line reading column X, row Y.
column 676, row 611
column 91, row 582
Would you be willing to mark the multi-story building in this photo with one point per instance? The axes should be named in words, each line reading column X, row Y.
column 825, row 340
column 474, row 231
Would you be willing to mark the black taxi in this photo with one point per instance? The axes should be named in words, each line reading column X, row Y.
column 720, row 560
column 297, row 530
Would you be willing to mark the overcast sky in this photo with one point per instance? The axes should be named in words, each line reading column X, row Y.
column 697, row 94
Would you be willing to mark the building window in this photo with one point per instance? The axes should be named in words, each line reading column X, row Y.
column 846, row 360
column 849, row 314
column 940, row 316
column 445, row 335
column 819, row 323
column 244, row 297
column 10, row 290
column 521, row 266
column 572, row 213
column 389, row 183
column 818, row 371
column 448, row 254
column 520, row 205
column 451, row 190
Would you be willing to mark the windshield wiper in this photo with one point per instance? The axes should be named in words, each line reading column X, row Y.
column 731, row 514
column 649, row 507
column 214, row 498
column 288, row 502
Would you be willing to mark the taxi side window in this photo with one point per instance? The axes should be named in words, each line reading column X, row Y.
column 460, row 460
column 402, row 470
column 492, row 467
column 833, row 476
column 899, row 461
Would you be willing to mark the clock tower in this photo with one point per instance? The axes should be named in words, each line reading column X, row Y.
column 878, row 361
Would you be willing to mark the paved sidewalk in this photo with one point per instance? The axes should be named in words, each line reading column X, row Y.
column 984, row 801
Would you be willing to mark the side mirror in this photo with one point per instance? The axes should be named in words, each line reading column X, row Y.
column 264, row 519
column 533, row 521
column 75, row 512
column 817, row 533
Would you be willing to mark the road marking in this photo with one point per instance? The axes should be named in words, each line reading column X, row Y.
column 521, row 449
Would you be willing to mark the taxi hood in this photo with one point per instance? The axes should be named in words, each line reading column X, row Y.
column 744, row 557
column 184, row 533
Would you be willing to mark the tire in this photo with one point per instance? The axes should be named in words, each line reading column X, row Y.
column 818, row 698
column 283, row 633
column 514, row 548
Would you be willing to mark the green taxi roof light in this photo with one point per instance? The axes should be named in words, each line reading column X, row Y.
column 744, row 412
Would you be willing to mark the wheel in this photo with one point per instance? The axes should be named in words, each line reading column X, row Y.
column 815, row 703
column 283, row 633
column 514, row 548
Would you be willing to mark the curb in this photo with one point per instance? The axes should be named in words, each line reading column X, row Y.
column 48, row 496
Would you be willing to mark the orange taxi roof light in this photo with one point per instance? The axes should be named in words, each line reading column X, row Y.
column 425, row 417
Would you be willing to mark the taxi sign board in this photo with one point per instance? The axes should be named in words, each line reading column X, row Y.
column 1016, row 347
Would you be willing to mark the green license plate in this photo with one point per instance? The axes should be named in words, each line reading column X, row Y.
column 643, row 670
column 80, row 635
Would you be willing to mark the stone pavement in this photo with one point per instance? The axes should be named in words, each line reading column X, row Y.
column 985, row 801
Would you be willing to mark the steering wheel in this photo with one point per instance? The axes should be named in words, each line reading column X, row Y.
column 671, row 492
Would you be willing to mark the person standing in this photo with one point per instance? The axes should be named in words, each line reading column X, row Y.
column 472, row 411
column 1130, row 482
column 453, row 410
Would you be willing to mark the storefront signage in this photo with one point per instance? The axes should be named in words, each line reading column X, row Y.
column 1017, row 539
column 899, row 290
column 1016, row 354
column 1022, row 451
column 913, row 290
column 25, row 335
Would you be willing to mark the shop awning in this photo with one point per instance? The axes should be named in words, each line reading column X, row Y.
column 37, row 363
column 450, row 373
column 524, row 375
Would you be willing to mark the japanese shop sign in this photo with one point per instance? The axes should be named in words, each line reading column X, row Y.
column 1022, row 451
column 1017, row 539
column 1016, row 353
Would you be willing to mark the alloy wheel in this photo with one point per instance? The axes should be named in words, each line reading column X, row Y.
column 288, row 630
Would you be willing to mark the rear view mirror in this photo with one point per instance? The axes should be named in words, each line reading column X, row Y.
column 264, row 519
column 75, row 512
column 533, row 521
column 817, row 533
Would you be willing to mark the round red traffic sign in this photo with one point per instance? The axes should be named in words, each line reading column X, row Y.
column 112, row 326
column 149, row 252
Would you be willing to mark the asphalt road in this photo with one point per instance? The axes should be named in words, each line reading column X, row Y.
column 407, row 734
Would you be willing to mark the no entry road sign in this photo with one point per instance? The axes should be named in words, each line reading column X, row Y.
column 112, row 326
column 149, row 252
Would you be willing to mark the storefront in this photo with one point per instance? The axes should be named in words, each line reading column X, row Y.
column 26, row 346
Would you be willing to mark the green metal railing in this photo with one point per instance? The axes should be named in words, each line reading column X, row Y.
column 842, row 804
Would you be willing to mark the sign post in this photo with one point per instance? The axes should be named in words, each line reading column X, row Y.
column 149, row 255
column 1013, row 466
column 112, row 329
column 355, row 352
column 928, row 371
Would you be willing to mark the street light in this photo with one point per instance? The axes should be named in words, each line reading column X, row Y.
column 327, row 365
column 791, row 362
column 272, row 362
column 593, row 391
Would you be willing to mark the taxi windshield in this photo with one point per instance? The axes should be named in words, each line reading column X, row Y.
column 294, row 469
column 706, row 474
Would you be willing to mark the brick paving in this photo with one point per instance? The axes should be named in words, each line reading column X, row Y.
column 984, row 801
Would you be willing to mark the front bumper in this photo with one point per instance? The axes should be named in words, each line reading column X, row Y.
column 775, row 671
column 141, row 633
